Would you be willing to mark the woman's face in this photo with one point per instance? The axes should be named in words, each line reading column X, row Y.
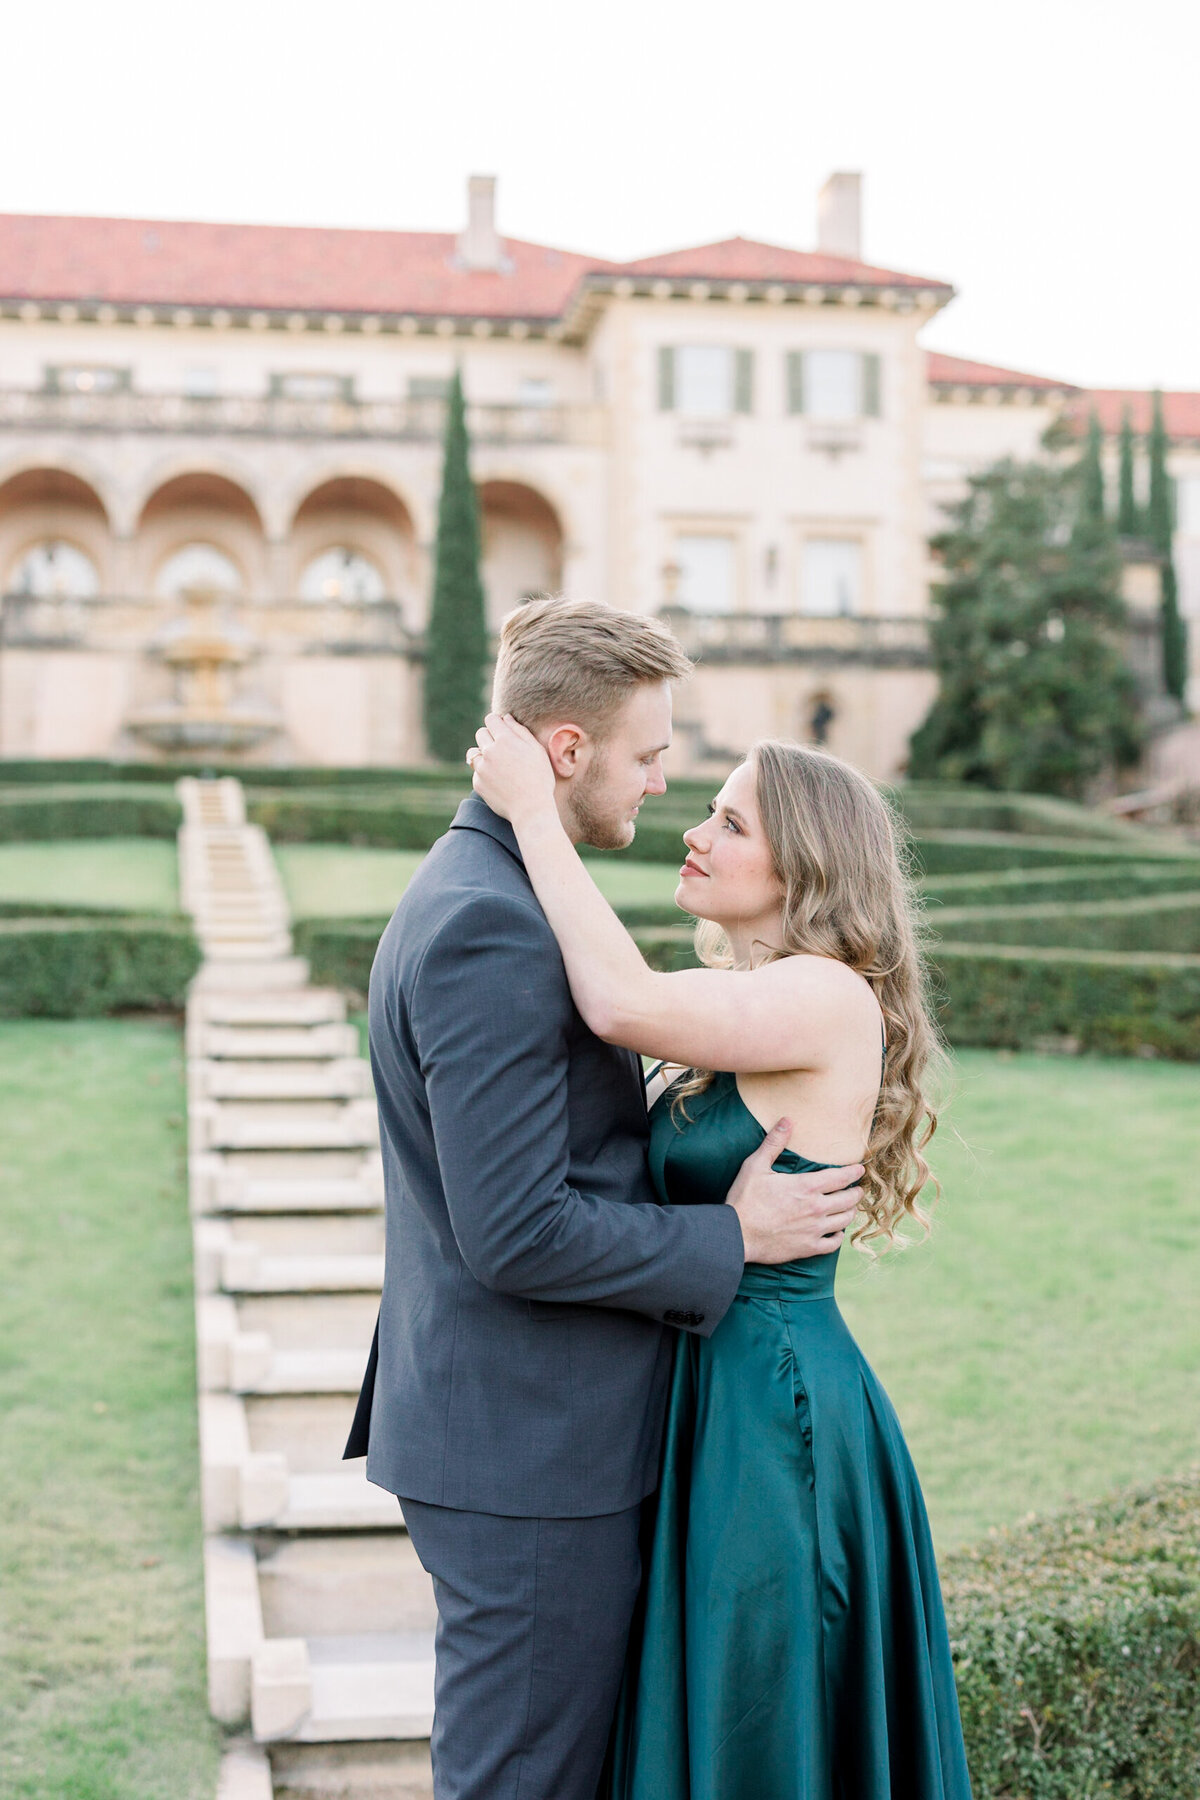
column 729, row 876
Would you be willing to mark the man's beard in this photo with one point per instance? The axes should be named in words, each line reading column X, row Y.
column 595, row 825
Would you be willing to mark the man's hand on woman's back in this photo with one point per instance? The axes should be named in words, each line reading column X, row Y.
column 786, row 1217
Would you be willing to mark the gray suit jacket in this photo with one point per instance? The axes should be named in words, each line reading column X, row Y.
column 520, row 1360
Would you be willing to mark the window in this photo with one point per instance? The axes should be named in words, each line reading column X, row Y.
column 707, row 573
column 831, row 577
column 341, row 574
column 87, row 378
column 534, row 390
column 303, row 384
column 200, row 566
column 54, row 570
column 706, row 381
column 1188, row 505
column 428, row 387
column 833, row 384
column 200, row 384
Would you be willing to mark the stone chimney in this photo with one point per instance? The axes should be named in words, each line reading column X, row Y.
column 478, row 245
column 839, row 216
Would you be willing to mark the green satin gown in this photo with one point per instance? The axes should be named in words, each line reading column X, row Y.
column 791, row 1642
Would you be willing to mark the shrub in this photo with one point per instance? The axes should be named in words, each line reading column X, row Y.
column 339, row 951
column 960, row 852
column 407, row 820
column 932, row 806
column 1113, row 880
column 1006, row 996
column 69, row 968
column 1077, row 1651
column 45, row 812
column 1168, row 922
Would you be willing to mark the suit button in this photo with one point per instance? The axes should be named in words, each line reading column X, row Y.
column 683, row 1318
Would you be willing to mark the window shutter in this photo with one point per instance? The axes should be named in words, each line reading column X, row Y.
column 870, row 385
column 666, row 378
column 795, row 381
column 743, row 381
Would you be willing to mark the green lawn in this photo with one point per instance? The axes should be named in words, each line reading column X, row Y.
column 102, row 1681
column 1044, row 1344
column 137, row 874
column 331, row 881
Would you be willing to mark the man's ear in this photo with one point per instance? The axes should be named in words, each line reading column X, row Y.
column 567, row 747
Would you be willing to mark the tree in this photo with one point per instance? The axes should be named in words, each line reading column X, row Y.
column 1129, row 517
column 1034, row 690
column 1091, row 473
column 456, row 643
column 1160, row 531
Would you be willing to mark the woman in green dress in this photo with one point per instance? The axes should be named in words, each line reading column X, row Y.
column 790, row 1642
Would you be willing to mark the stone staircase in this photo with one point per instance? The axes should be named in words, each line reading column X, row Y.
column 319, row 1617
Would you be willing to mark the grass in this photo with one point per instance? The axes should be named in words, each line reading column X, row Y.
column 332, row 881
column 1043, row 1345
column 102, row 1681
column 136, row 874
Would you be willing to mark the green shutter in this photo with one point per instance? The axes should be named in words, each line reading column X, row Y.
column 795, row 381
column 743, row 381
column 870, row 385
column 666, row 378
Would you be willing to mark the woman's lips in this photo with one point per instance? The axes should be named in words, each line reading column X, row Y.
column 689, row 868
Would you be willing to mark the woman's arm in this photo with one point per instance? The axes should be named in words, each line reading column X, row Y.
column 776, row 1017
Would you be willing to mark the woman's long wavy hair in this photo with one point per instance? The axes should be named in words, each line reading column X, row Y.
column 848, row 894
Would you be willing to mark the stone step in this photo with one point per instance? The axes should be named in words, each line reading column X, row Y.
column 328, row 1078
column 330, row 1689
column 370, row 1771
column 217, row 1126
column 260, row 975
column 241, row 944
column 302, row 1007
column 248, row 1481
column 324, row 1354
column 280, row 1043
column 218, row 1188
column 333, row 1252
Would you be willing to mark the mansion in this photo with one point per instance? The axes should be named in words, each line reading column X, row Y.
column 220, row 459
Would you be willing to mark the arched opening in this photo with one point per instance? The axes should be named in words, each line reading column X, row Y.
column 522, row 545
column 201, row 529
column 54, row 536
column 353, row 543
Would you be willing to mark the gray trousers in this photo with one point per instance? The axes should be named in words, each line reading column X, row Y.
column 533, row 1618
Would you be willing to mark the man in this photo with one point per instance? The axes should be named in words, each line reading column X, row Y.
column 515, row 1393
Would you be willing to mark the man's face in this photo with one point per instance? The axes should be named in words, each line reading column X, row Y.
column 622, row 769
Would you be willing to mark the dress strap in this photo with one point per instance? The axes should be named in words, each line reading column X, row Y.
column 658, row 1068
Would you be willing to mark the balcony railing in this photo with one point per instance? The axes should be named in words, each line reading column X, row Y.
column 800, row 638
column 281, row 415
column 114, row 622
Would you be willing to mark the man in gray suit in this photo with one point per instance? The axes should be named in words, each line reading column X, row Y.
column 514, row 1397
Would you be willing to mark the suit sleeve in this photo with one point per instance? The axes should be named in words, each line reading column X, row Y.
column 490, row 1011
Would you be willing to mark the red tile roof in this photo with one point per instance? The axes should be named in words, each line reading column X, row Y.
column 276, row 267
column 957, row 371
column 741, row 259
column 1181, row 411
column 305, row 269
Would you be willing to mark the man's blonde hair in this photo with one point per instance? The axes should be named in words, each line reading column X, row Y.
column 579, row 661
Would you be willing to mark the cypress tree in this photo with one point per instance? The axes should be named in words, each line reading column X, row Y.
column 1129, row 518
column 1091, row 489
column 1159, row 529
column 456, row 642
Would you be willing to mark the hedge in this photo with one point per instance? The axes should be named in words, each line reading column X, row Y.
column 71, row 968
column 961, row 852
column 944, row 807
column 1076, row 1644
column 1007, row 996
column 39, row 814
column 1169, row 922
column 1114, row 880
column 339, row 951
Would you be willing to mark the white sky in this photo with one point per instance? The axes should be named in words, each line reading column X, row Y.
column 1043, row 155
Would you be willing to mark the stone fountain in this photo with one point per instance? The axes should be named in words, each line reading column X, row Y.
column 204, row 650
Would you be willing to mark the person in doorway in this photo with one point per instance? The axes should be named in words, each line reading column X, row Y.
column 791, row 1643
column 515, row 1394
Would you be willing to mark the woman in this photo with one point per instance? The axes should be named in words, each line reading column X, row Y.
column 791, row 1643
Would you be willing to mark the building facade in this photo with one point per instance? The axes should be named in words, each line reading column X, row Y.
column 220, row 455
